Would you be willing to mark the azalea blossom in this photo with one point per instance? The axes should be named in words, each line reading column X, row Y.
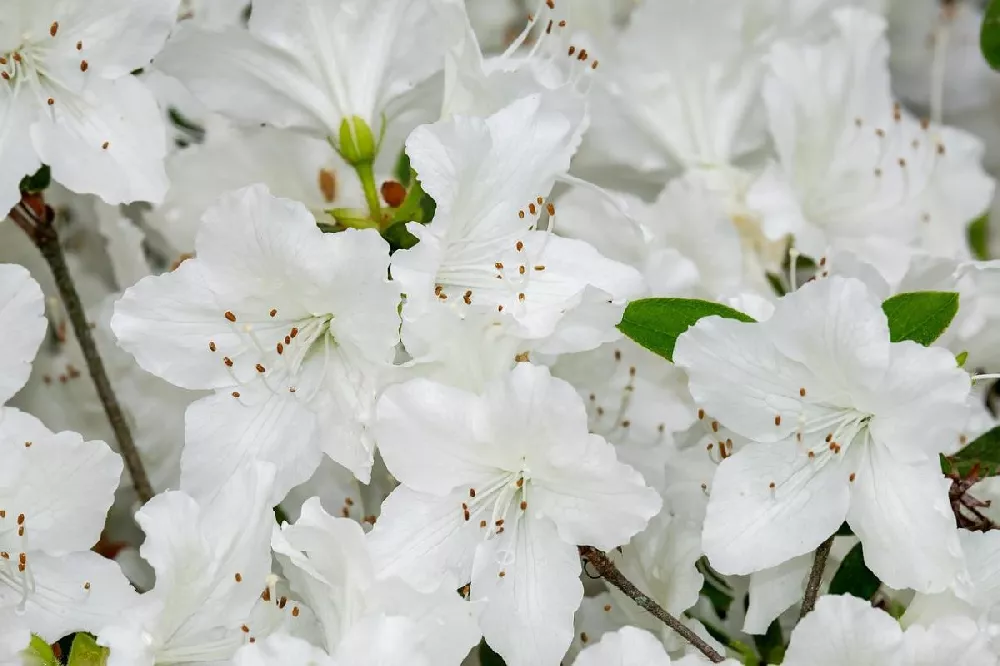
column 841, row 428
column 69, row 100
column 499, row 489
column 290, row 326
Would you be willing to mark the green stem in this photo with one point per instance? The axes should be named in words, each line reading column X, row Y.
column 366, row 173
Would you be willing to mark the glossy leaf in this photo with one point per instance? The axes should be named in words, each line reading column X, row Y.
column 920, row 316
column 656, row 323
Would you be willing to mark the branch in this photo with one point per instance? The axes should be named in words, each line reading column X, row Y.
column 816, row 576
column 610, row 573
column 41, row 230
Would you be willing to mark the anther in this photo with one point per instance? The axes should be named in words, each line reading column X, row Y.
column 520, row 482
column 295, row 611
column 701, row 414
column 482, row 523
column 572, row 50
column 771, row 485
column 902, row 162
column 524, row 505
column 273, row 312
column 104, row 146
column 520, row 214
column 852, row 477
column 715, row 426
column 230, row 316
column 518, row 246
column 472, row 492
column 802, row 392
column 20, row 519
column 86, row 585
column 521, row 269
column 211, row 345
column 502, row 573
column 228, row 361
column 84, row 66
column 550, row 208
column 238, row 577
column 245, row 629
column 260, row 368
column 520, row 297
column 777, row 420
column 293, row 332
column 54, row 28
column 498, row 266
column 467, row 297
column 539, row 267
column 236, row 394
column 79, row 46
column 51, row 101
column 532, row 209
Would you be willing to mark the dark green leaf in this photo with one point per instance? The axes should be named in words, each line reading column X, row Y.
column 86, row 652
column 655, row 323
column 854, row 578
column 983, row 451
column 402, row 171
column 989, row 36
column 978, row 235
column 920, row 316
column 38, row 181
column 398, row 237
column 487, row 657
column 279, row 515
column 715, row 588
column 845, row 530
column 771, row 645
column 776, row 283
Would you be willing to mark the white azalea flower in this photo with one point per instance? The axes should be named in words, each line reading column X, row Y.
column 69, row 100
column 22, row 327
column 844, row 425
column 499, row 489
column 631, row 646
column 327, row 562
column 490, row 179
column 316, row 66
column 846, row 631
column 854, row 171
column 212, row 561
column 289, row 325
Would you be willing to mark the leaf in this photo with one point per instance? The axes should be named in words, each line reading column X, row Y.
column 38, row 181
column 86, row 652
column 487, row 657
column 989, row 35
column 920, row 316
column 656, row 323
column 39, row 653
column 983, row 451
column 854, row 578
column 398, row 237
column 771, row 645
column 978, row 236
column 961, row 358
column 402, row 171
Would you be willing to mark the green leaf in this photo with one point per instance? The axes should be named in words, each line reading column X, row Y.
column 418, row 206
column 398, row 237
column 961, row 358
column 983, row 451
column 487, row 657
column 854, row 578
column 978, row 236
column 920, row 316
column 402, row 171
column 279, row 515
column 656, row 323
column 771, row 645
column 989, row 36
column 845, row 530
column 38, row 181
column 39, row 653
column 86, row 652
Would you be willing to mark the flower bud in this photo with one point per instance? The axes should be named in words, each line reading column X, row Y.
column 357, row 143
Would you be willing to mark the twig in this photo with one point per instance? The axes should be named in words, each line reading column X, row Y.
column 816, row 576
column 610, row 572
column 40, row 228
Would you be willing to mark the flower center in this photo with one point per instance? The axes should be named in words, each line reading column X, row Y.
column 499, row 506
column 14, row 570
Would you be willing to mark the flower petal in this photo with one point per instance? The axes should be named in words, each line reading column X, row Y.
column 22, row 327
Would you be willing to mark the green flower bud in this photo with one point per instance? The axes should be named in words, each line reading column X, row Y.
column 357, row 143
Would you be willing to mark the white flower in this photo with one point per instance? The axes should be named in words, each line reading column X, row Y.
column 212, row 562
column 844, row 425
column 22, row 327
column 327, row 562
column 289, row 325
column 490, row 179
column 67, row 98
column 499, row 489
column 310, row 65
column 854, row 171
column 630, row 646
column 846, row 631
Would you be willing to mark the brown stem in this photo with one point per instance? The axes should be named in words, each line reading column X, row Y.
column 604, row 566
column 816, row 576
column 45, row 236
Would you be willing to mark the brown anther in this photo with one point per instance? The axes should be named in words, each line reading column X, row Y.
column 230, row 316
column 802, row 392
column 626, row 423
column 548, row 28
column 5, row 555
column 520, row 214
column 266, row 594
column 288, row 340
column 327, row 182
column 472, row 492
column 3, row 513
column 551, row 4
column 897, row 112
column 701, row 414
column 245, row 629
column 811, row 454
column 502, row 573
column 51, row 101
column 520, row 482
column 498, row 522
column 228, row 361
column 273, row 312
column 607, row 608
column 293, row 332
column 572, row 50
column 20, row 519
column 594, row 64
column 550, row 209
column 236, row 394
column 829, row 436
column 295, row 611
column 499, row 308
column 22, row 558
column 583, row 55
column 86, row 585
column 281, row 602
column 211, row 345
column 54, row 28
column 539, row 267
column 524, row 505
column 880, row 133
column 962, row 439
column 584, row 637
column 777, row 420
column 902, row 162
column 852, row 477
column 520, row 297
column 710, row 446
column 348, row 501
column 280, row 348
column 393, row 193
column 104, row 146
column 260, row 368
column 466, row 515
column 5, row 75
column 878, row 173
column 562, row 24
column 252, row 640
column 482, row 523
column 715, row 426
column 79, row 46
column 925, row 123
column 518, row 246
column 771, row 485
column 467, row 297
column 345, row 512
column 498, row 265
column 84, row 66
column 238, row 577
column 17, row 57
column 521, row 269
column 940, row 149
column 532, row 209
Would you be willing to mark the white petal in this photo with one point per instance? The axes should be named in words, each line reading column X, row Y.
column 281, row 650
column 121, row 114
column 952, row 640
column 22, row 327
column 224, row 434
column 982, row 559
column 750, row 526
column 17, row 111
column 845, row 630
column 528, row 616
column 76, row 592
column 775, row 590
column 377, row 640
column 424, row 539
column 85, row 475
column 902, row 514
column 628, row 646
column 591, row 497
column 430, row 439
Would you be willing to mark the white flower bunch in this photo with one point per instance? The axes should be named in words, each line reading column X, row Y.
column 484, row 332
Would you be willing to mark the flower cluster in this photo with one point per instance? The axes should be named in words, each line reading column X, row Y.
column 477, row 332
